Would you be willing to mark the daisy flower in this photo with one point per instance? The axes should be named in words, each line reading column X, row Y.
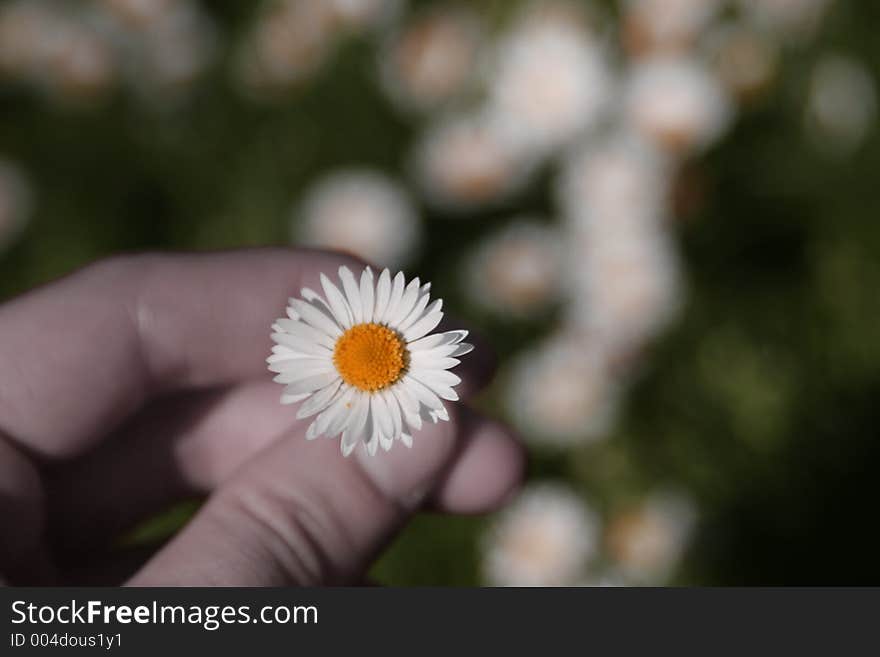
column 517, row 271
column 842, row 104
column 551, row 83
column 470, row 161
column 745, row 58
column 647, row 542
column 666, row 25
column 544, row 538
column 362, row 211
column 432, row 59
column 677, row 103
column 562, row 393
column 362, row 358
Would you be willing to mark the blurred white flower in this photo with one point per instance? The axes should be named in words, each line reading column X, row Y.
column 544, row 538
column 842, row 104
column 550, row 81
column 83, row 65
column 604, row 579
column 677, row 103
column 561, row 392
column 56, row 50
column 653, row 25
column 361, row 211
column 744, row 58
column 173, row 53
column 469, row 161
column 431, row 59
column 286, row 45
column 647, row 542
column 15, row 202
column 613, row 185
column 24, row 44
column 518, row 270
column 792, row 19
column 624, row 290
column 361, row 14
column 138, row 14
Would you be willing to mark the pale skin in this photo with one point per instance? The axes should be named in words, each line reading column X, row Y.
column 141, row 380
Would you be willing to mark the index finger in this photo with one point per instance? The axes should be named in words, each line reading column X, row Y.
column 79, row 355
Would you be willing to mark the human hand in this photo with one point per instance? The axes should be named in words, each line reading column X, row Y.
column 140, row 380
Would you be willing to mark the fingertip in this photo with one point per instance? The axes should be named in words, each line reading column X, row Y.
column 486, row 472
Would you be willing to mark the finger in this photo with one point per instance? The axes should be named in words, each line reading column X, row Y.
column 190, row 443
column 176, row 449
column 476, row 483
column 486, row 472
column 81, row 354
column 299, row 514
column 23, row 557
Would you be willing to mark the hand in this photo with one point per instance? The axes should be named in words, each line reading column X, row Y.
column 141, row 380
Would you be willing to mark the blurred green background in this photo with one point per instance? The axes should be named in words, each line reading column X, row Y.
column 761, row 400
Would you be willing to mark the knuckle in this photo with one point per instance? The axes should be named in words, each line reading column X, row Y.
column 288, row 531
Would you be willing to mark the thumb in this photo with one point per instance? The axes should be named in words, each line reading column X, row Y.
column 300, row 514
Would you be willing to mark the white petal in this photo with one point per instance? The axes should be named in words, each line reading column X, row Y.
column 300, row 374
column 312, row 431
column 422, row 327
column 427, row 342
column 409, row 405
column 462, row 349
column 406, row 439
column 443, row 351
column 427, row 415
column 319, row 401
column 422, row 392
column 317, row 317
column 354, row 431
column 441, row 414
column 429, row 377
column 367, row 294
column 386, row 441
column 310, row 383
column 301, row 364
column 292, row 399
column 299, row 344
column 291, row 313
column 440, row 382
column 396, row 294
column 415, row 314
column 382, row 417
column 305, row 332
column 332, row 420
column 394, row 410
column 432, row 363
column 454, row 337
column 373, row 445
column 352, row 294
column 383, row 292
column 406, row 305
column 337, row 302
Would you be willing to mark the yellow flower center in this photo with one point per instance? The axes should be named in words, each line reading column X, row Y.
column 370, row 356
